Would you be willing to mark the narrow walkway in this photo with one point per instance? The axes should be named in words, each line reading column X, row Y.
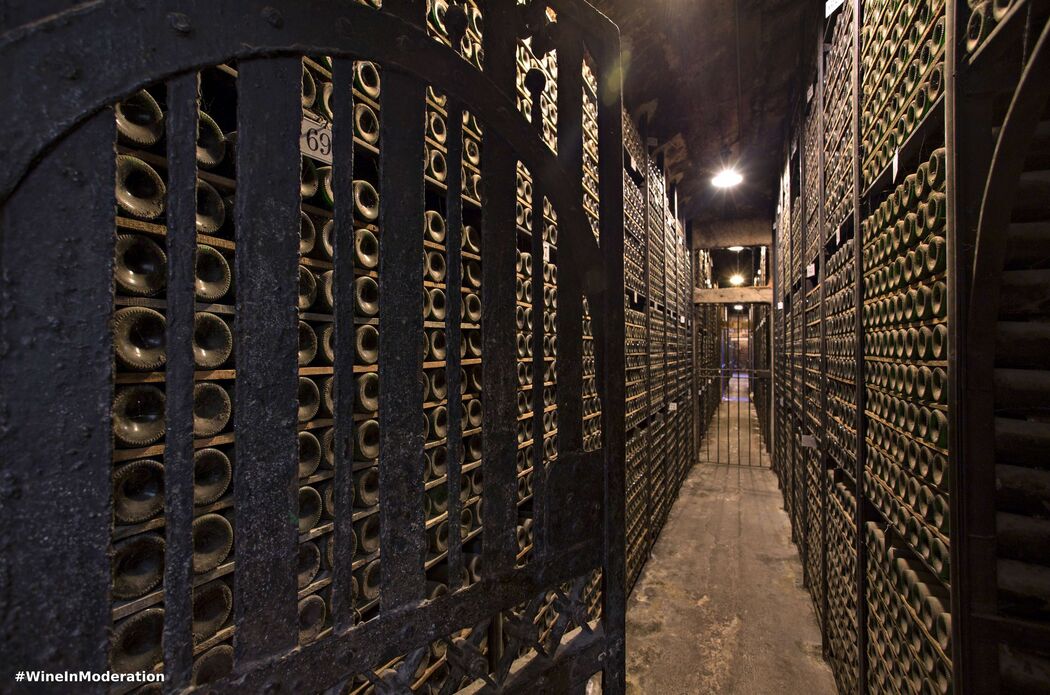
column 720, row 606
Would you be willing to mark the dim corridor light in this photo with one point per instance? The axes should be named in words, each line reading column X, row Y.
column 735, row 249
column 736, row 280
column 738, row 307
column 727, row 178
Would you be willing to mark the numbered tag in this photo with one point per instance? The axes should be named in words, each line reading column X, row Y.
column 672, row 407
column 830, row 6
column 546, row 252
column 811, row 270
column 896, row 162
column 315, row 140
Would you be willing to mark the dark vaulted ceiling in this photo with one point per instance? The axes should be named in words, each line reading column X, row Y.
column 716, row 80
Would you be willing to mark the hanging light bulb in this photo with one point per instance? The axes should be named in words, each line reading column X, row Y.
column 736, row 280
column 727, row 178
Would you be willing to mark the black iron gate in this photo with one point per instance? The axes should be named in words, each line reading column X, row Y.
column 193, row 485
column 737, row 388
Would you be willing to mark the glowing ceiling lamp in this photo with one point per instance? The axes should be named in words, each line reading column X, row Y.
column 736, row 280
column 727, row 178
column 738, row 307
column 735, row 249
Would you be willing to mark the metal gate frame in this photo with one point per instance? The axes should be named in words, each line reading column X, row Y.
column 63, row 73
column 716, row 442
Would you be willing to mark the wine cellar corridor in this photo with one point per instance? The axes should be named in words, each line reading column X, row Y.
column 394, row 347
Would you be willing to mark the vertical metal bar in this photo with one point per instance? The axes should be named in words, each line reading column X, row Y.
column 540, row 471
column 858, row 379
column 611, row 342
column 453, row 368
column 972, row 509
column 343, row 262
column 569, row 317
column 267, row 219
column 822, row 369
column 646, row 461
column 60, row 512
column 500, row 492
column 402, row 521
column 736, row 372
column 182, row 100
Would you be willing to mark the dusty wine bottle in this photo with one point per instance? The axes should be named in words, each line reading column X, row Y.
column 140, row 120
column 212, row 474
column 136, row 643
column 212, row 541
column 212, row 340
column 307, row 564
column 139, row 337
column 138, row 491
column 213, row 665
column 309, row 397
column 140, row 265
column 138, row 565
column 212, row 275
column 138, row 415
column 211, row 409
column 140, row 190
column 212, row 604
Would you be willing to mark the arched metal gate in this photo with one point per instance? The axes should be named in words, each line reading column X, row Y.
column 67, row 522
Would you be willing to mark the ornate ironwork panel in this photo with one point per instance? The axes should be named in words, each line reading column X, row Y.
column 312, row 346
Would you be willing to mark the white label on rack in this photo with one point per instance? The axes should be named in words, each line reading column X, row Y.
column 809, row 441
column 672, row 407
column 896, row 162
column 315, row 139
column 780, row 306
column 546, row 252
column 811, row 270
column 681, row 319
column 830, row 6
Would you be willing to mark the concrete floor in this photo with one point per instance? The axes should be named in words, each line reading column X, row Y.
column 719, row 607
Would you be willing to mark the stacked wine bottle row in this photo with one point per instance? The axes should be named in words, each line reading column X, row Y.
column 547, row 66
column 841, row 549
column 796, row 249
column 139, row 407
column 905, row 367
column 909, row 628
column 811, row 470
column 985, row 16
column 450, row 524
column 838, row 123
column 592, row 404
column 470, row 43
column 811, row 173
column 659, row 409
column 707, row 342
column 634, row 266
column 636, row 352
column 590, row 148
column 840, row 357
column 537, row 379
column 901, row 76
